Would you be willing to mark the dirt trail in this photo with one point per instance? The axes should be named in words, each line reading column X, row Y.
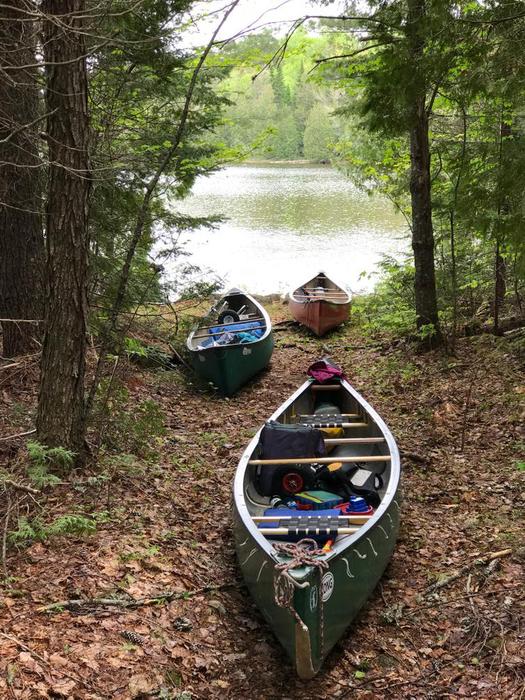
column 167, row 528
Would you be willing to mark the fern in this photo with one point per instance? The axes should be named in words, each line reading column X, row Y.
column 43, row 458
column 37, row 531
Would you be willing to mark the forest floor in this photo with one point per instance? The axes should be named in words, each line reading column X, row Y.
column 163, row 524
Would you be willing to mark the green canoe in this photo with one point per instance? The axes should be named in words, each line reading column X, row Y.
column 322, row 602
column 237, row 318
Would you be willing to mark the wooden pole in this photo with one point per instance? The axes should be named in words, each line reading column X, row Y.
column 354, row 441
column 323, row 460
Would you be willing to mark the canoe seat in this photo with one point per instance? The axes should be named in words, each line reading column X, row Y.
column 325, row 421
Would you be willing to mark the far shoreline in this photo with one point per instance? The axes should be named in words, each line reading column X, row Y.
column 267, row 161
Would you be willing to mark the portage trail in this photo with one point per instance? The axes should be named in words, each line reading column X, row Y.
column 151, row 604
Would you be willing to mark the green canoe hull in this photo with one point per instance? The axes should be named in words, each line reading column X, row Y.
column 230, row 367
column 347, row 584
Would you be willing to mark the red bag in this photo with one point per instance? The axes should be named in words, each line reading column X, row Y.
column 324, row 371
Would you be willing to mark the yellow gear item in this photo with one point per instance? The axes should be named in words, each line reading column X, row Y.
column 332, row 433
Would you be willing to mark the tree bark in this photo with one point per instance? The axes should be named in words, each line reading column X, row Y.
column 61, row 414
column 21, row 241
column 420, row 183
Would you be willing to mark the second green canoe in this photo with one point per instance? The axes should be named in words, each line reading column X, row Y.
column 234, row 343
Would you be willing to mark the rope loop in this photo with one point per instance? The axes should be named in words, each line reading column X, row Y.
column 302, row 553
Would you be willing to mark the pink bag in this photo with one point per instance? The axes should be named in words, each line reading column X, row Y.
column 324, row 371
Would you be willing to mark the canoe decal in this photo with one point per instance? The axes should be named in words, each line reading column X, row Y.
column 243, row 544
column 383, row 531
column 246, row 351
column 260, row 570
column 314, row 598
column 250, row 555
column 327, row 586
column 202, row 358
column 373, row 550
column 348, row 572
column 361, row 556
column 391, row 521
column 396, row 505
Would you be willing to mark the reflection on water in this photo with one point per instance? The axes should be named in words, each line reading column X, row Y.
column 286, row 223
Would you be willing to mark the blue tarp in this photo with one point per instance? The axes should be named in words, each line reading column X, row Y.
column 243, row 332
column 257, row 326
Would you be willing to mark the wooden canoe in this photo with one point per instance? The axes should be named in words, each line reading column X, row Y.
column 320, row 304
column 324, row 602
column 230, row 366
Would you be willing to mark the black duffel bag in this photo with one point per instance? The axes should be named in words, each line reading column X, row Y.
column 280, row 441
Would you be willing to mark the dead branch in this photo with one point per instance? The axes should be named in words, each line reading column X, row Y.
column 18, row 435
column 480, row 561
column 166, row 597
column 19, row 487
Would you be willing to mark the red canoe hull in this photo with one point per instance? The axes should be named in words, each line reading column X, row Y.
column 319, row 316
column 320, row 304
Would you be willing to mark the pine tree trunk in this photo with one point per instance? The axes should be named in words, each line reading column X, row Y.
column 60, row 418
column 21, row 241
column 420, row 184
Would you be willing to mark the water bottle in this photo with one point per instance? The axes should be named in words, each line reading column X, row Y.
column 281, row 503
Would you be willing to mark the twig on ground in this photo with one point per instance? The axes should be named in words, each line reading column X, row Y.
column 165, row 597
column 18, row 435
column 465, row 569
column 19, row 487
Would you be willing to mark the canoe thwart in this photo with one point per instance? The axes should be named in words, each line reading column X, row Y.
column 323, row 460
column 354, row 441
column 337, row 424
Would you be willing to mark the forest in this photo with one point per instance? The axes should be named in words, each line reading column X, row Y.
column 118, row 529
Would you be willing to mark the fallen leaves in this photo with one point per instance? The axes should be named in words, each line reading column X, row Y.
column 169, row 529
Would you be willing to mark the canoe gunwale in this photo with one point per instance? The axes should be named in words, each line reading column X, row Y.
column 348, row 541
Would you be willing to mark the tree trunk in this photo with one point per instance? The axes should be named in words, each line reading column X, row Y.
column 21, row 241
column 420, row 184
column 60, row 418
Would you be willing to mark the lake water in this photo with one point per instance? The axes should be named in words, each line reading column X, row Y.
column 285, row 223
